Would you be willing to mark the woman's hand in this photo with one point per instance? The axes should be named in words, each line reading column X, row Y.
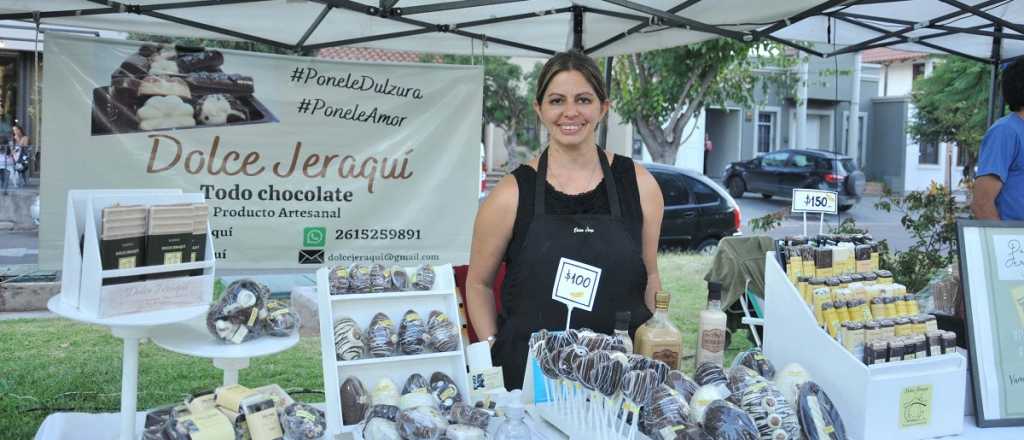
column 491, row 234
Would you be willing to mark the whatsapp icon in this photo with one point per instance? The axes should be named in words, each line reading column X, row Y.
column 314, row 236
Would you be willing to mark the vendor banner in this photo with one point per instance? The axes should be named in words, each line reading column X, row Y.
column 303, row 161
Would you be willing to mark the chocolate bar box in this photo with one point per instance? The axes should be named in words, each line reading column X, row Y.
column 163, row 87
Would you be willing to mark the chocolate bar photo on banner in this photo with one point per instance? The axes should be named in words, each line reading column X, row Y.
column 164, row 87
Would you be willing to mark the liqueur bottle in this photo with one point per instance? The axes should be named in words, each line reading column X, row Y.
column 622, row 330
column 658, row 338
column 711, row 333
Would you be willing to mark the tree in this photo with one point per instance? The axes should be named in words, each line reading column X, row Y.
column 220, row 44
column 507, row 104
column 661, row 91
column 952, row 106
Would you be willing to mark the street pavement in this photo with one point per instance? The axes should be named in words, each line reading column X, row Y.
column 881, row 224
column 19, row 247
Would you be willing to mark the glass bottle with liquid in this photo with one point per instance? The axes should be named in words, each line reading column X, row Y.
column 622, row 329
column 658, row 338
column 711, row 328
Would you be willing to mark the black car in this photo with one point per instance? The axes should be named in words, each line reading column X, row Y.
column 698, row 212
column 778, row 172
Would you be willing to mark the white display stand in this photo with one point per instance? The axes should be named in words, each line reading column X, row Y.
column 82, row 272
column 84, row 298
column 361, row 308
column 868, row 397
column 128, row 328
column 193, row 339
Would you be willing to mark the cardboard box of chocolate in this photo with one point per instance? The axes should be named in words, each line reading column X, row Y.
column 122, row 240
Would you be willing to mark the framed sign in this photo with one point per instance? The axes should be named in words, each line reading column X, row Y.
column 992, row 273
column 815, row 200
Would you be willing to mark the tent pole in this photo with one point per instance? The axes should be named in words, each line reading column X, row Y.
column 577, row 28
column 603, row 135
column 993, row 94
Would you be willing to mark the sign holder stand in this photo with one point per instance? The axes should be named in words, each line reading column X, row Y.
column 815, row 200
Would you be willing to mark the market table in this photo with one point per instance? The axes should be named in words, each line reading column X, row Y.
column 59, row 426
column 193, row 339
column 130, row 329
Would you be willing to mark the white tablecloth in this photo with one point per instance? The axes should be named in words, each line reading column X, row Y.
column 104, row 426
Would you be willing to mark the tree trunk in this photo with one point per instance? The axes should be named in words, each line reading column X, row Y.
column 661, row 149
column 510, row 147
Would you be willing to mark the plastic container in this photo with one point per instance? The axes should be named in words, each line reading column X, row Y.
column 514, row 427
column 915, row 399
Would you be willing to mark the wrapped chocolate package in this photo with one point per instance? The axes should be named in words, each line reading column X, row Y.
column 303, row 422
column 349, row 340
column 724, row 421
column 412, row 334
column 464, row 432
column 380, row 277
column 238, row 315
column 442, row 333
column 381, row 429
column 754, row 359
column 337, row 278
column 424, row 279
column 819, row 418
column 385, row 393
column 388, row 412
column 709, row 373
column 666, row 408
column 463, row 414
column 355, row 401
column 681, row 432
column 682, row 383
column 416, row 382
column 741, row 378
column 789, row 379
column 281, row 321
column 399, row 279
column 414, row 399
column 638, row 386
column 380, row 336
column 359, row 278
column 702, row 398
column 421, row 423
column 637, row 362
column 445, row 391
column 768, row 408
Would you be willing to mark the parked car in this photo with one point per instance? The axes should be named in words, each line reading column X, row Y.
column 698, row 212
column 778, row 172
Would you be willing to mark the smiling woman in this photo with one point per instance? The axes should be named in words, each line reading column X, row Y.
column 576, row 203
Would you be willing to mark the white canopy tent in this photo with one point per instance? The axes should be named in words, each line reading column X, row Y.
column 508, row 27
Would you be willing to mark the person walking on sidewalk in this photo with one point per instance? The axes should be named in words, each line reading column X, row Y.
column 6, row 168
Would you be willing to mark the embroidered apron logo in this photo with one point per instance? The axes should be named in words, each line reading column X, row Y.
column 584, row 230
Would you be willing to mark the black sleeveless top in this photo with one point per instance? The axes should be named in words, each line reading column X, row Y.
column 594, row 201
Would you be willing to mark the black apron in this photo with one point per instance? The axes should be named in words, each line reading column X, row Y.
column 600, row 240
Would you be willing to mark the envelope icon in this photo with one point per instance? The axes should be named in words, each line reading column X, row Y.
column 311, row 256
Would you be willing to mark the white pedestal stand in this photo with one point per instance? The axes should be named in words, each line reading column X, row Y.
column 192, row 338
column 128, row 328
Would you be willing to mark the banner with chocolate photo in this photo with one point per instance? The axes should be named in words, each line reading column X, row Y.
column 304, row 161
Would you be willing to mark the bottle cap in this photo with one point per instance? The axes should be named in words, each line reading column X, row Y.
column 661, row 300
column 714, row 291
column 622, row 320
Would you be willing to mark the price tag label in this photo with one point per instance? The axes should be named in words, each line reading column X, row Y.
column 576, row 284
column 815, row 200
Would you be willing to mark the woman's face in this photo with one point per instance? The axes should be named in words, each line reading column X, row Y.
column 570, row 109
column 17, row 131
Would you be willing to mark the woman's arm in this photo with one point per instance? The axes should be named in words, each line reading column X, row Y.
column 653, row 206
column 491, row 234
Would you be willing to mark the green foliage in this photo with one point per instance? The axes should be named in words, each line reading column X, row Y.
column 507, row 96
column 767, row 222
column 218, row 288
column 952, row 106
column 930, row 218
column 221, row 44
column 661, row 91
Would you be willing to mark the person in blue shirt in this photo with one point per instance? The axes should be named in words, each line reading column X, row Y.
column 999, row 187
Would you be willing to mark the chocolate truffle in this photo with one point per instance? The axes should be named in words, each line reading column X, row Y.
column 349, row 340
column 380, row 336
column 412, row 332
column 443, row 335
